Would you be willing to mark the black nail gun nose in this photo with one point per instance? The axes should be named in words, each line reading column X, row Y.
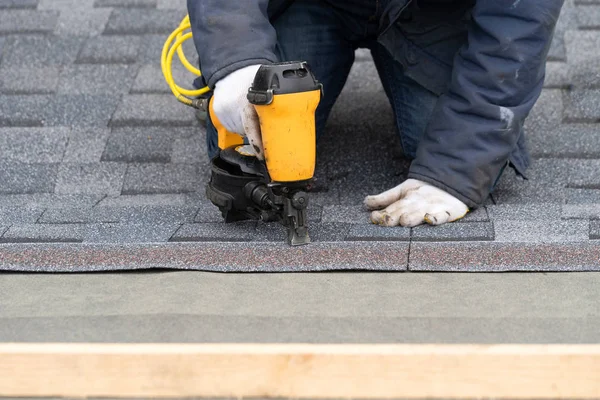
column 285, row 96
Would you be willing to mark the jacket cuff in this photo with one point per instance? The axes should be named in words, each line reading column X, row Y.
column 434, row 182
column 229, row 68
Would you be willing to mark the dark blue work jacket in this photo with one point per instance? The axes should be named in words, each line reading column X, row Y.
column 485, row 58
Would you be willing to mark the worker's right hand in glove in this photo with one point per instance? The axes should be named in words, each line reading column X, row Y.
column 233, row 109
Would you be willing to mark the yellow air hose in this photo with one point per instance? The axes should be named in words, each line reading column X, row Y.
column 172, row 45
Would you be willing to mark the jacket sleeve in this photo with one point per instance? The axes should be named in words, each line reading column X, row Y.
column 230, row 35
column 497, row 78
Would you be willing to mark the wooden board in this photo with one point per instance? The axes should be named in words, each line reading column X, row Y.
column 300, row 370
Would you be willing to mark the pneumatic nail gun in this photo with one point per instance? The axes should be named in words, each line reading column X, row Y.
column 285, row 96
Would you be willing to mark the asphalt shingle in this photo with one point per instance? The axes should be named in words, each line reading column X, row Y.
column 43, row 233
column 4, row 4
column 19, row 178
column 96, row 178
column 159, row 178
column 581, row 105
column 110, row 50
column 94, row 64
column 129, row 233
column 370, row 232
column 595, row 229
column 96, row 79
column 80, row 110
column 19, row 215
column 82, row 21
column 466, row 231
column 143, row 21
column 46, row 50
column 216, row 232
column 23, row 80
column 139, row 147
column 152, row 110
column 21, row 110
column 33, row 145
column 542, row 231
column 125, row 3
column 86, row 144
column 347, row 214
column 27, row 21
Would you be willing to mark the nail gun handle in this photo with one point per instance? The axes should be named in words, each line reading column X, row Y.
column 226, row 138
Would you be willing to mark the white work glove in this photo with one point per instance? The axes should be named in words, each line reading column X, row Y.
column 233, row 109
column 413, row 202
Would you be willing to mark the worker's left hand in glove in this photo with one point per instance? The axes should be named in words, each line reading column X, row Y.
column 233, row 109
column 414, row 202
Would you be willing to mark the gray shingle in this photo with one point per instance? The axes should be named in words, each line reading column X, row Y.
column 146, row 214
column 329, row 231
column 583, row 174
column 68, row 215
column 581, row 105
column 82, row 21
column 466, row 231
column 45, row 200
column 96, row 79
column 582, row 45
column 129, row 214
column 124, row 21
column 172, row 4
column 27, row 21
column 18, row 178
column 207, row 212
column 162, row 178
column 370, row 232
column 80, row 110
column 86, row 144
column 347, row 214
column 19, row 215
column 125, row 3
column 110, row 50
column 582, row 204
column 524, row 212
column 139, row 147
column 567, row 140
column 190, row 150
column 588, row 16
column 33, row 145
column 97, row 178
column 477, row 215
column 23, row 80
column 270, row 232
column 542, row 231
column 152, row 110
column 64, row 4
column 557, row 75
column 566, row 22
column 216, row 232
column 595, row 229
column 181, row 199
column 546, row 114
column 43, row 233
column 150, row 79
column 22, row 110
column 47, row 50
column 495, row 256
column 129, row 233
column 18, row 4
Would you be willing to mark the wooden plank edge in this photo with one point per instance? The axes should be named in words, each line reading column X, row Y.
column 300, row 370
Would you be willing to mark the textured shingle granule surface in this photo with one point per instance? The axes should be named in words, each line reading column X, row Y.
column 102, row 169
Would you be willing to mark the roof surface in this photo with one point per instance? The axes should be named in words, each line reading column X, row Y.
column 101, row 168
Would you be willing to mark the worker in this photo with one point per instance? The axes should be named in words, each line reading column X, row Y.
column 461, row 77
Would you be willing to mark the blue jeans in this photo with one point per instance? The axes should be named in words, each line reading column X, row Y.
column 326, row 34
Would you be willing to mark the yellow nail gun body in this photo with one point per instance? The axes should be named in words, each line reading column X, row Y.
column 285, row 96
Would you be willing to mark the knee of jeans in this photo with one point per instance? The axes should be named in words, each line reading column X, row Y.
column 212, row 140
